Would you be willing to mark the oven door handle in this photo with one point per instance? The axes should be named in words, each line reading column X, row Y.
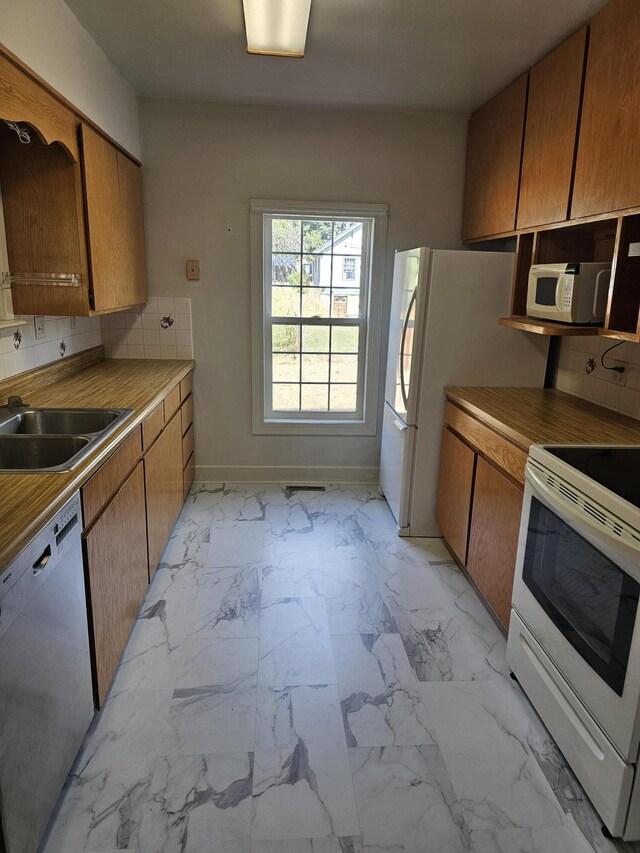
column 611, row 544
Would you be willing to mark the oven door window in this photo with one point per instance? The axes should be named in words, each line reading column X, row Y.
column 589, row 598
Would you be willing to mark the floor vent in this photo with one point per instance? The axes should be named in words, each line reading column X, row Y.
column 299, row 488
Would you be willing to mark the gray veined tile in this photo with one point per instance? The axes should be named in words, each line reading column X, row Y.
column 288, row 521
column 103, row 802
column 239, row 544
column 153, row 655
column 212, row 719
column 495, row 776
column 302, row 781
column 329, row 844
column 239, row 581
column 539, row 839
column 291, row 568
column 215, row 662
column 443, row 651
column 406, row 803
column 354, row 604
column 295, row 646
column 225, row 615
column 380, row 697
column 199, row 803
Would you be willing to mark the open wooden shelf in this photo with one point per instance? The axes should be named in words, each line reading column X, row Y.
column 546, row 327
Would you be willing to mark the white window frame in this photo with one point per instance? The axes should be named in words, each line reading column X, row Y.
column 364, row 421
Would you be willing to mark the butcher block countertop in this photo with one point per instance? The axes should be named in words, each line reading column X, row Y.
column 29, row 501
column 529, row 416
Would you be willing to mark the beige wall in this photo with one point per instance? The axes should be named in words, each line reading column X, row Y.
column 48, row 37
column 203, row 162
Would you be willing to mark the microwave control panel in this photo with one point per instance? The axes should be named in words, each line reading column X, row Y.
column 567, row 292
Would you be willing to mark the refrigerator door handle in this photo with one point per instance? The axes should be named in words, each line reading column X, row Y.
column 405, row 327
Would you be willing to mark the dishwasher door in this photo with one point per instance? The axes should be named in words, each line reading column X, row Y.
column 46, row 695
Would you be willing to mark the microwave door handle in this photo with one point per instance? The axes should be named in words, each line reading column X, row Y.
column 609, row 542
column 559, row 292
column 596, row 290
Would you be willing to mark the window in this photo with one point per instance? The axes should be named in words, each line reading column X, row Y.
column 317, row 282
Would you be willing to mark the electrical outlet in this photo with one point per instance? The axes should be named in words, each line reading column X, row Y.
column 41, row 329
column 619, row 378
column 193, row 270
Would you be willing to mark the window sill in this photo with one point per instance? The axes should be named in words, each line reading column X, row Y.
column 310, row 427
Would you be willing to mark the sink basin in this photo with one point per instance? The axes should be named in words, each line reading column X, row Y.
column 43, row 453
column 58, row 421
column 45, row 440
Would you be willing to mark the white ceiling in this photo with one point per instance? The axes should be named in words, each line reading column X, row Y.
column 444, row 55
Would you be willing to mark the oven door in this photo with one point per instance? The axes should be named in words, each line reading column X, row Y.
column 576, row 588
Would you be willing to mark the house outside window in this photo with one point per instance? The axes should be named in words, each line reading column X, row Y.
column 316, row 319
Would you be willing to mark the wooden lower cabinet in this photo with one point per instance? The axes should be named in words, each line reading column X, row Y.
column 117, row 569
column 164, row 488
column 493, row 541
column 455, row 487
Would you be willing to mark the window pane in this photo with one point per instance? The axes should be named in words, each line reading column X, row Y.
column 347, row 238
column 286, row 397
column 343, row 398
column 345, row 339
column 312, row 269
column 345, row 303
column 285, row 338
column 315, row 368
column 285, row 301
column 285, row 269
column 315, row 398
column 285, row 235
column 317, row 236
column 344, row 368
column 315, row 302
column 315, row 338
column 286, row 368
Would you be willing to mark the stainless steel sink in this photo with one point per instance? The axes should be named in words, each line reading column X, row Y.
column 39, row 440
column 44, row 453
column 58, row 421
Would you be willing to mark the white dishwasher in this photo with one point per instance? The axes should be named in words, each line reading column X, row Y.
column 46, row 695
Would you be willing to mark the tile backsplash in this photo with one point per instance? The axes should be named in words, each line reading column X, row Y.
column 160, row 329
column 63, row 336
column 577, row 374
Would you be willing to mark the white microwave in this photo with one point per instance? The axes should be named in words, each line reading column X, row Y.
column 569, row 293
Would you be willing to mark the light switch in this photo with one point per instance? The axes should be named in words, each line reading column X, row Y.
column 193, row 270
column 41, row 331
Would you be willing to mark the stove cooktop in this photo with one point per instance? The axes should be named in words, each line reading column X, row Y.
column 615, row 468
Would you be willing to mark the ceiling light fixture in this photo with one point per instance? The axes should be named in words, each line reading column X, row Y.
column 276, row 27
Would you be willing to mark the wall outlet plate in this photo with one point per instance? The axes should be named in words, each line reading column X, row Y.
column 74, row 323
column 193, row 270
column 619, row 378
column 39, row 326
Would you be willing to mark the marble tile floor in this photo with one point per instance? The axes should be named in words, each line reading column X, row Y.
column 301, row 680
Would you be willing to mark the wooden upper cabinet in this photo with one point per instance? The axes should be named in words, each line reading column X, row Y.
column 607, row 169
column 553, row 109
column 494, row 150
column 113, row 203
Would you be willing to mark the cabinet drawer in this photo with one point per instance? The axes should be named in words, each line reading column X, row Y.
column 186, row 413
column 99, row 490
column 171, row 403
column 187, row 445
column 152, row 426
column 189, row 470
column 500, row 451
column 186, row 386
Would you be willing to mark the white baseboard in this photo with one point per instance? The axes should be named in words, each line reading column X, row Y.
column 287, row 474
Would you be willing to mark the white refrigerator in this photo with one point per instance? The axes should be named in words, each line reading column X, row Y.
column 444, row 331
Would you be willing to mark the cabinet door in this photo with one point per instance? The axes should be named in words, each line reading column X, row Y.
column 551, row 127
column 607, row 174
column 455, row 484
column 493, row 543
column 494, row 149
column 116, row 562
column 113, row 202
column 164, row 488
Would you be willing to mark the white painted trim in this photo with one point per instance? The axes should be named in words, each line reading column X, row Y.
column 366, row 426
column 298, row 474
